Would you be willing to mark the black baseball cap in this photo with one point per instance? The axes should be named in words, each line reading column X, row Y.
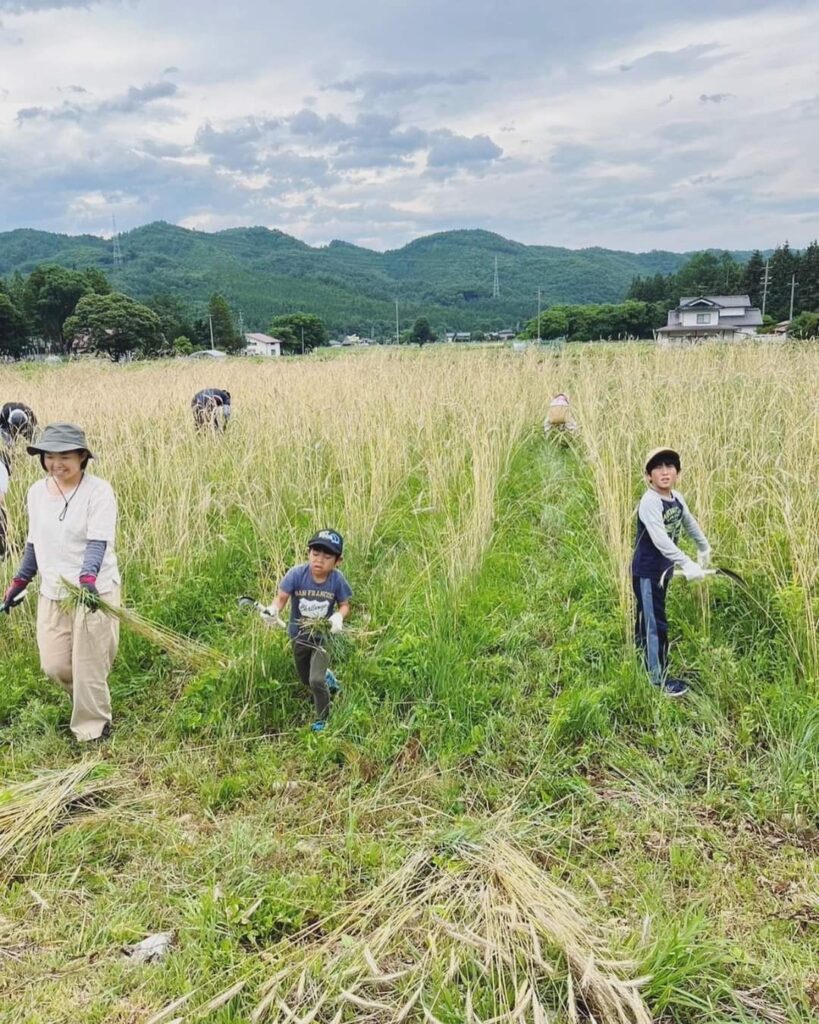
column 330, row 540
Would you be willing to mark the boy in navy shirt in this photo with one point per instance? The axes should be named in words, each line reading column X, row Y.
column 316, row 590
column 661, row 517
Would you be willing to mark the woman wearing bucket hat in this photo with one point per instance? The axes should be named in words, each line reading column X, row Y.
column 72, row 522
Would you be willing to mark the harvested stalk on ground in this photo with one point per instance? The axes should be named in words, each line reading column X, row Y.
column 477, row 922
column 32, row 810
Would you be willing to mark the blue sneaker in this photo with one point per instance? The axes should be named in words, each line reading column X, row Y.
column 674, row 688
column 333, row 684
column 318, row 726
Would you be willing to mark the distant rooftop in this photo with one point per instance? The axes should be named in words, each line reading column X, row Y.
column 718, row 300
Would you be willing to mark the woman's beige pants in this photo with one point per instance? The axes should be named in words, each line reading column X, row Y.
column 78, row 649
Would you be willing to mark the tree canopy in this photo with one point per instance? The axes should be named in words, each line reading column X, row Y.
column 115, row 325
column 301, row 325
column 51, row 296
column 13, row 328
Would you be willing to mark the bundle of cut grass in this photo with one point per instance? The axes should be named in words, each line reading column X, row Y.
column 32, row 810
column 183, row 649
column 318, row 632
column 474, row 933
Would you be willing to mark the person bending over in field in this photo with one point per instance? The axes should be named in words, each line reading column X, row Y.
column 661, row 517
column 211, row 408
column 72, row 521
column 317, row 592
column 559, row 415
column 17, row 420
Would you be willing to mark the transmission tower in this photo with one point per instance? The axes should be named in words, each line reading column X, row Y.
column 117, row 251
column 496, row 282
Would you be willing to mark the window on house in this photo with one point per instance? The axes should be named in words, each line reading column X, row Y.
column 703, row 318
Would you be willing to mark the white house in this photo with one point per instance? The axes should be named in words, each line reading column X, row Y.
column 711, row 316
column 262, row 345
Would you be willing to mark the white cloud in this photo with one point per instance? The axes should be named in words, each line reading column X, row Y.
column 379, row 122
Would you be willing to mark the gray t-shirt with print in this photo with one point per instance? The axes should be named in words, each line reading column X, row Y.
column 312, row 600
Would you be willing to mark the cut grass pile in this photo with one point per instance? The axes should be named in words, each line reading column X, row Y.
column 32, row 810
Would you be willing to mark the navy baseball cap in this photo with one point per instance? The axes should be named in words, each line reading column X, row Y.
column 330, row 540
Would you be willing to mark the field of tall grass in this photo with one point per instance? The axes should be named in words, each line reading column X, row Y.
column 503, row 821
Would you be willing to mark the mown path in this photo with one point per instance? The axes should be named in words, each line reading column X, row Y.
column 512, row 693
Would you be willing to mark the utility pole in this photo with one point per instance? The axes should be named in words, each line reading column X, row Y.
column 117, row 251
column 397, row 342
column 302, row 339
column 210, row 323
column 242, row 327
column 765, row 287
column 538, row 315
column 496, row 282
column 793, row 290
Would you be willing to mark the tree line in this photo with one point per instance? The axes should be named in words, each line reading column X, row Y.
column 67, row 311
column 61, row 311
column 709, row 273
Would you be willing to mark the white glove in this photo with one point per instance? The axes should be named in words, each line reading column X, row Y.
column 704, row 557
column 693, row 573
column 336, row 622
column 270, row 616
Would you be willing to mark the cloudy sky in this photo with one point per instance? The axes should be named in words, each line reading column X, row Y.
column 632, row 124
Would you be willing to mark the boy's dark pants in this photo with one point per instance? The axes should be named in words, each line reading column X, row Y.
column 651, row 627
column 312, row 662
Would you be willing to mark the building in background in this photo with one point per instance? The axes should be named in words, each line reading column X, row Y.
column 262, row 345
column 726, row 317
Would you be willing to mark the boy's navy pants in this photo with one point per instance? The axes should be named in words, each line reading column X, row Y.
column 651, row 627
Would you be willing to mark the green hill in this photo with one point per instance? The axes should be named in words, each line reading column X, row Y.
column 446, row 276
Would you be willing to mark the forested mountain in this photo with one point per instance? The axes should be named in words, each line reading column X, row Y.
column 446, row 277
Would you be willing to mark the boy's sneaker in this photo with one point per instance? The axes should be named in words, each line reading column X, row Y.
column 674, row 688
column 318, row 726
column 333, row 684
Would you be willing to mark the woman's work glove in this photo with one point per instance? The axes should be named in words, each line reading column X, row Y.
column 704, row 557
column 336, row 621
column 12, row 595
column 90, row 596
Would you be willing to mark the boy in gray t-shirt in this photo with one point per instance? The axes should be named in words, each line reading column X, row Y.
column 315, row 590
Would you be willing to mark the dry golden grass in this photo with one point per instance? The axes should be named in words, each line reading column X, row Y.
column 746, row 422
column 340, row 440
